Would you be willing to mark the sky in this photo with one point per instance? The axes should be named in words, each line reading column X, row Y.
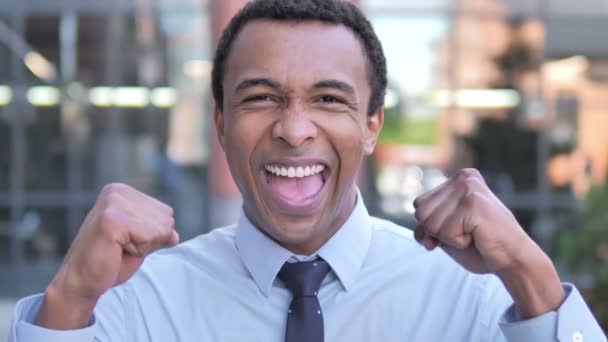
column 407, row 43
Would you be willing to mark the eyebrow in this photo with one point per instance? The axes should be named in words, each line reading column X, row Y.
column 253, row 82
column 335, row 84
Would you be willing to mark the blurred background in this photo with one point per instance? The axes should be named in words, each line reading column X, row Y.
column 93, row 92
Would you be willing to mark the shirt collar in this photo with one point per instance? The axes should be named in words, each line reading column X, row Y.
column 345, row 251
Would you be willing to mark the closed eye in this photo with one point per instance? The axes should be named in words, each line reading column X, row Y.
column 259, row 98
column 329, row 99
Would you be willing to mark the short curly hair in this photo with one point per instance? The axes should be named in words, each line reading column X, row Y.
column 327, row 11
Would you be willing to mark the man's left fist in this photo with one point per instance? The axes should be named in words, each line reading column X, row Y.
column 471, row 224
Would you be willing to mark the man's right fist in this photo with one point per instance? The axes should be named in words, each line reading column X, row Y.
column 123, row 227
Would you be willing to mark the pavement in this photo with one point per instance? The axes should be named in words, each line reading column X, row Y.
column 6, row 316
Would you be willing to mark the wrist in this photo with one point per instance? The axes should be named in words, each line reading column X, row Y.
column 533, row 282
column 63, row 309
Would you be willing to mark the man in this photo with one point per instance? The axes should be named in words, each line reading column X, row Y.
column 299, row 88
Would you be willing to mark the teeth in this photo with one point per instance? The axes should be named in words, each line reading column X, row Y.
column 298, row 172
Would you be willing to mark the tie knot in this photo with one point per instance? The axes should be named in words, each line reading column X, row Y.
column 304, row 278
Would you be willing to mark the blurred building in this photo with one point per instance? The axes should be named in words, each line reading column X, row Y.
column 513, row 88
column 118, row 91
column 92, row 93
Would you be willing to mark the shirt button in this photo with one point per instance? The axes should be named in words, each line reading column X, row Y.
column 577, row 337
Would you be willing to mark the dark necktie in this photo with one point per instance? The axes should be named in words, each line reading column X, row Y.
column 304, row 319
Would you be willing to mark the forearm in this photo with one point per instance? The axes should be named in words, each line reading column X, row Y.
column 534, row 284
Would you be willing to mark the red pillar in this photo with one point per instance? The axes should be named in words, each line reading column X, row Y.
column 221, row 184
column 224, row 197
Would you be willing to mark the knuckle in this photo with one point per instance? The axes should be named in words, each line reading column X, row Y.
column 419, row 233
column 170, row 210
column 145, row 248
column 168, row 236
column 106, row 188
column 159, row 237
column 113, row 198
column 460, row 242
column 468, row 185
column 461, row 186
column 112, row 187
column 113, row 201
column 461, row 174
column 109, row 213
column 162, row 233
column 111, row 191
column 429, row 231
column 471, row 172
column 417, row 202
column 468, row 173
column 156, row 232
column 431, row 228
column 152, row 241
column 170, row 221
column 107, row 219
column 471, row 199
column 421, row 215
column 472, row 183
column 162, row 206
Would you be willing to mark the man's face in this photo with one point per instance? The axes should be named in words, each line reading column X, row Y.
column 295, row 127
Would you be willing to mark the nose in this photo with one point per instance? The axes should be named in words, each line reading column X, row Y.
column 294, row 128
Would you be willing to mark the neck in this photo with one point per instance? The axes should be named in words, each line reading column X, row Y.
column 345, row 210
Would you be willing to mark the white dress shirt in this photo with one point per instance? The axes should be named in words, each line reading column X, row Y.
column 383, row 286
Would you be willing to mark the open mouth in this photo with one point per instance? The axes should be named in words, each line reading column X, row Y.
column 296, row 188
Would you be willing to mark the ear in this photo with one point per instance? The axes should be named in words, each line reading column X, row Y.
column 218, row 121
column 374, row 125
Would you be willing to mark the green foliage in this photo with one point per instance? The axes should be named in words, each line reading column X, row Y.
column 583, row 248
column 403, row 130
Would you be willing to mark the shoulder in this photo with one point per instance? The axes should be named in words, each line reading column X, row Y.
column 394, row 247
column 203, row 251
column 202, row 262
column 395, row 250
column 388, row 232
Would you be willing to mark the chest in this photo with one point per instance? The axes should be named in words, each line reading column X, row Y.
column 373, row 311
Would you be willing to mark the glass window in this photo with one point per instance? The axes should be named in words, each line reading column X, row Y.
column 583, row 8
column 410, row 5
column 43, row 231
column 6, row 95
column 103, row 97
column 5, row 228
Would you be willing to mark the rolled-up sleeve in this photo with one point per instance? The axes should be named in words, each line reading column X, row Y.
column 573, row 321
column 23, row 329
column 107, row 323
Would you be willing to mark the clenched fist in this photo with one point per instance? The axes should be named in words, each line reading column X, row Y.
column 123, row 227
column 470, row 223
column 472, row 226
